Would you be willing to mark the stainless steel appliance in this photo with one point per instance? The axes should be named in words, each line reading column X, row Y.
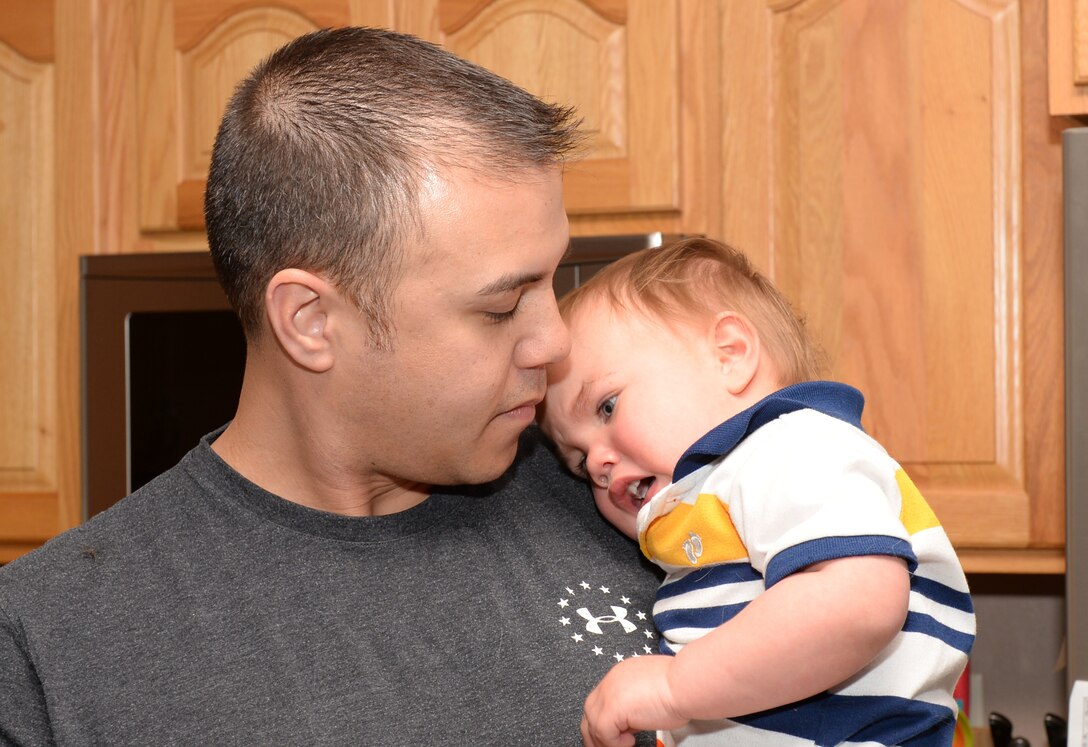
column 1075, row 196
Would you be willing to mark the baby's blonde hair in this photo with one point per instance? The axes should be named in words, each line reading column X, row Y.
column 699, row 277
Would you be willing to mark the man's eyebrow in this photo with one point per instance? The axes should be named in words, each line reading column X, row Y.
column 510, row 282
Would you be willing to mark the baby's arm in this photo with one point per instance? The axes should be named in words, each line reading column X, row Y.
column 807, row 633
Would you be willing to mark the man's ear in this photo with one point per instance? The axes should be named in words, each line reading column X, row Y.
column 298, row 304
column 737, row 346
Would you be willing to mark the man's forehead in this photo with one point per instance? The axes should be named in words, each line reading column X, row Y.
column 483, row 217
column 480, row 235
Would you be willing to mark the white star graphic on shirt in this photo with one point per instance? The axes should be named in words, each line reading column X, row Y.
column 593, row 602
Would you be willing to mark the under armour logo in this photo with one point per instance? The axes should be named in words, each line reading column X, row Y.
column 619, row 615
column 693, row 547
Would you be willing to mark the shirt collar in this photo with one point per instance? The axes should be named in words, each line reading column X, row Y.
column 831, row 398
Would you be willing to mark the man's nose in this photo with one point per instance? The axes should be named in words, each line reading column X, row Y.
column 550, row 340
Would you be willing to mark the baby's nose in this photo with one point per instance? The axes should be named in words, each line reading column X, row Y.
column 599, row 462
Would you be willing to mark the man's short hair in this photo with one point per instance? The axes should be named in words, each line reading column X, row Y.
column 320, row 156
column 695, row 278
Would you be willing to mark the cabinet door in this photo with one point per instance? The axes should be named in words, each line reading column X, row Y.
column 1067, row 55
column 29, row 411
column 615, row 60
column 894, row 170
column 190, row 55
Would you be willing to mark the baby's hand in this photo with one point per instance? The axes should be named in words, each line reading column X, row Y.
column 634, row 696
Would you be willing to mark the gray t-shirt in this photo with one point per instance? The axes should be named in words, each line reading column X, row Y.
column 205, row 610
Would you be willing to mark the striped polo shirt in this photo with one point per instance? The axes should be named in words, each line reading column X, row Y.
column 793, row 481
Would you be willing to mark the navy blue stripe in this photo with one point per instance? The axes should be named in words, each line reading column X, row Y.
column 942, row 594
column 793, row 559
column 696, row 617
column 828, row 720
column 705, row 578
column 831, row 398
column 918, row 622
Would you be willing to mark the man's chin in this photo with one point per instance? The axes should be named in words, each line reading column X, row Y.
column 487, row 464
column 494, row 469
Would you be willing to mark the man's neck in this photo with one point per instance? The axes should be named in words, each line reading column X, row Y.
column 293, row 457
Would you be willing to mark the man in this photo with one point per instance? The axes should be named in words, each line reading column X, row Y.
column 386, row 219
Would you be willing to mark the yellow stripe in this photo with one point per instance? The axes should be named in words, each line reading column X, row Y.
column 915, row 514
column 704, row 526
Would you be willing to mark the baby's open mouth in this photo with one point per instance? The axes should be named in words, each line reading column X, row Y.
column 637, row 490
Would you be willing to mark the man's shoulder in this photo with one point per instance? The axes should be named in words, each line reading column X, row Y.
column 68, row 562
column 60, row 572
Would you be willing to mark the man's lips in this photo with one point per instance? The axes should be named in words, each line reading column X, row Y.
column 526, row 408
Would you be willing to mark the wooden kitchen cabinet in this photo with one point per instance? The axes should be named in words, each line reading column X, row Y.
column 190, row 54
column 1067, row 56
column 906, row 194
column 39, row 421
column 891, row 164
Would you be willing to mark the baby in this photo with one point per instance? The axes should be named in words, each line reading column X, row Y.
column 811, row 596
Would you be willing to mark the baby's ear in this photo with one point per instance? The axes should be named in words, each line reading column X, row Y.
column 298, row 303
column 737, row 347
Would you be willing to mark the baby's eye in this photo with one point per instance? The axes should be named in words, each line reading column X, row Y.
column 608, row 407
